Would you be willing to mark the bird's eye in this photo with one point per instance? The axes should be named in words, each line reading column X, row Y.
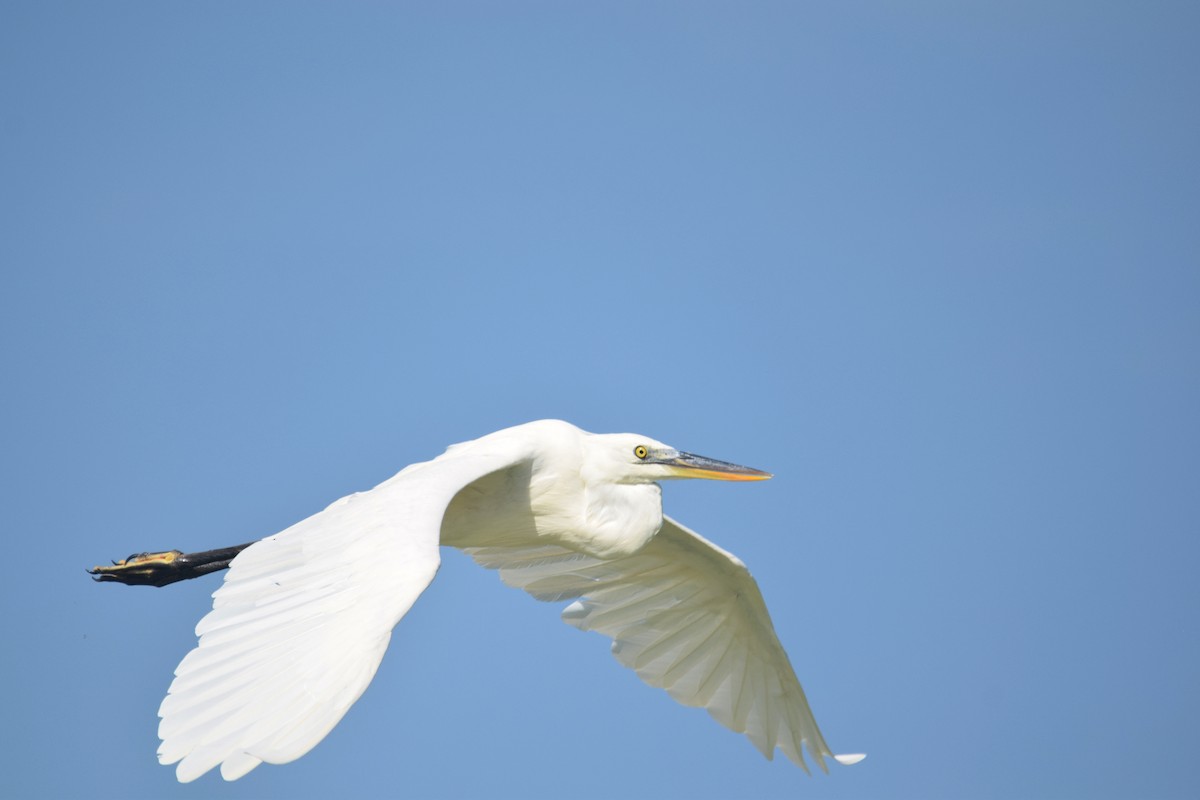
column 641, row 452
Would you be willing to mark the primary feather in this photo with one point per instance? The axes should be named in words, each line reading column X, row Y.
column 687, row 617
column 303, row 619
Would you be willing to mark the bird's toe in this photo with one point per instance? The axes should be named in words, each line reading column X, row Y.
column 140, row 569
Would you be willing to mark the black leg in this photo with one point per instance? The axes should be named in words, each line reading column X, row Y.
column 160, row 569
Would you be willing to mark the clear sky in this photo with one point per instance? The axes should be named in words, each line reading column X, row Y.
column 935, row 265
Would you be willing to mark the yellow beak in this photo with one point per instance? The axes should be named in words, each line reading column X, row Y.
column 689, row 465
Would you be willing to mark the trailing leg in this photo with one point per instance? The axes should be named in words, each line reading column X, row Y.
column 160, row 569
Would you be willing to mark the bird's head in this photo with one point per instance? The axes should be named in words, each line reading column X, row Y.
column 631, row 458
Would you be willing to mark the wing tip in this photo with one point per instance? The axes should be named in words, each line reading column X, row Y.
column 850, row 758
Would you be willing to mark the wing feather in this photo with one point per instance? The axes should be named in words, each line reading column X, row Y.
column 686, row 616
column 303, row 618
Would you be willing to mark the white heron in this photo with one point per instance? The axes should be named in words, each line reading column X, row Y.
column 303, row 617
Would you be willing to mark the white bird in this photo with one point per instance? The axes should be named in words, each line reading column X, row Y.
column 303, row 618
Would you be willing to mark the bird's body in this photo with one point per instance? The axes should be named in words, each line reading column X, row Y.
column 554, row 494
column 303, row 618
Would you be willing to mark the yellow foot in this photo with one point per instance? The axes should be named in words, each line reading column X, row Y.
column 142, row 569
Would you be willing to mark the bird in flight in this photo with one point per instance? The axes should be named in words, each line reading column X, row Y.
column 303, row 618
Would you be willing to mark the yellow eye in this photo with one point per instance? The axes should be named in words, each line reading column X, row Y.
column 641, row 452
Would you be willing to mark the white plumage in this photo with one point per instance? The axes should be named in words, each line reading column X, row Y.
column 303, row 618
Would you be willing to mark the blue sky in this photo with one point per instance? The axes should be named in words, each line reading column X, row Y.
column 933, row 265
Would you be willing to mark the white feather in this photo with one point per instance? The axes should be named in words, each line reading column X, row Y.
column 688, row 617
column 303, row 618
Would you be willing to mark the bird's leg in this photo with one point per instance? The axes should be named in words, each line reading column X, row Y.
column 160, row 569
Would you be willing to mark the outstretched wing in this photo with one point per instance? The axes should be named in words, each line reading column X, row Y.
column 303, row 618
column 687, row 617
